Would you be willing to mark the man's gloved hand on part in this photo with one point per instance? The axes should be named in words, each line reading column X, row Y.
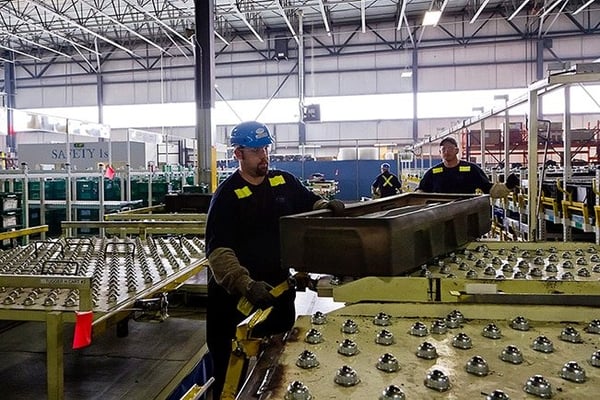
column 335, row 205
column 258, row 294
column 303, row 281
column 512, row 181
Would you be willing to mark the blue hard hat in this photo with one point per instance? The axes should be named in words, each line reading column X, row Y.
column 385, row 166
column 251, row 134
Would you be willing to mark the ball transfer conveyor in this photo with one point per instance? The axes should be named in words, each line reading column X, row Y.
column 51, row 281
column 431, row 312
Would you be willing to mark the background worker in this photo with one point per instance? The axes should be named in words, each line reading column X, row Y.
column 386, row 183
column 454, row 175
column 242, row 243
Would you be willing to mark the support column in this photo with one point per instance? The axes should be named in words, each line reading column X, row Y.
column 506, row 140
column 567, row 170
column 415, row 91
column 204, row 71
column 100, row 96
column 301, row 125
column 532, row 167
column 9, row 88
column 482, row 143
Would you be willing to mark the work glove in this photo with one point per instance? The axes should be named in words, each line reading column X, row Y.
column 335, row 205
column 512, row 181
column 303, row 281
column 258, row 294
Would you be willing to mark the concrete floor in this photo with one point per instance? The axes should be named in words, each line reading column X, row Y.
column 140, row 366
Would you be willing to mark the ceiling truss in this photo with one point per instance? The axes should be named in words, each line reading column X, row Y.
column 90, row 31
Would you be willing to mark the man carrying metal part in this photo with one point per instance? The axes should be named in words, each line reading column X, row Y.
column 454, row 175
column 386, row 184
column 243, row 245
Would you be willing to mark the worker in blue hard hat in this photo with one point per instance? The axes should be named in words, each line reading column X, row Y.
column 243, row 244
column 386, row 184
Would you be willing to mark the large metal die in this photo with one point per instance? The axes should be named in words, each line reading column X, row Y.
column 384, row 237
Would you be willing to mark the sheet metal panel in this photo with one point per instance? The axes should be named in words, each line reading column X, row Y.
column 384, row 237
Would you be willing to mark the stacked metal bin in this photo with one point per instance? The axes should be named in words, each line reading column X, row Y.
column 10, row 211
column 88, row 189
column 11, row 214
column 160, row 187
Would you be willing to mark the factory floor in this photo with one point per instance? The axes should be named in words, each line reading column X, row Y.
column 139, row 366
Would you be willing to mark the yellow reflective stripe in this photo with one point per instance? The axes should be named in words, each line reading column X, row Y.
column 243, row 192
column 464, row 168
column 437, row 170
column 276, row 180
column 388, row 181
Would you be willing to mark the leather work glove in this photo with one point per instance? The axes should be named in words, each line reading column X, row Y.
column 335, row 205
column 512, row 181
column 303, row 281
column 258, row 294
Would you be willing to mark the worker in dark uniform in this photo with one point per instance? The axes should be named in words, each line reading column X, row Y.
column 454, row 175
column 243, row 243
column 386, row 184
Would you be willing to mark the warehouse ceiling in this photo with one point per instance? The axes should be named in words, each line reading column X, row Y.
column 43, row 29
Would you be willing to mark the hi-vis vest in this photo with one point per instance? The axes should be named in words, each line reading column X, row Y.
column 462, row 168
column 387, row 181
column 246, row 192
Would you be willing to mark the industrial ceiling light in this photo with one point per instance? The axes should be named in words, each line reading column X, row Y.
column 287, row 22
column 217, row 34
column 580, row 9
column 552, row 7
column 324, row 16
column 431, row 18
column 518, row 10
column 479, row 10
column 402, row 11
column 407, row 73
column 363, row 16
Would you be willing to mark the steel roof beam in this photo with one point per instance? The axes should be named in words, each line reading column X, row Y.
column 2, row 31
column 40, row 26
column 39, row 5
column 119, row 23
column 20, row 52
column 287, row 21
column 163, row 25
column 243, row 18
